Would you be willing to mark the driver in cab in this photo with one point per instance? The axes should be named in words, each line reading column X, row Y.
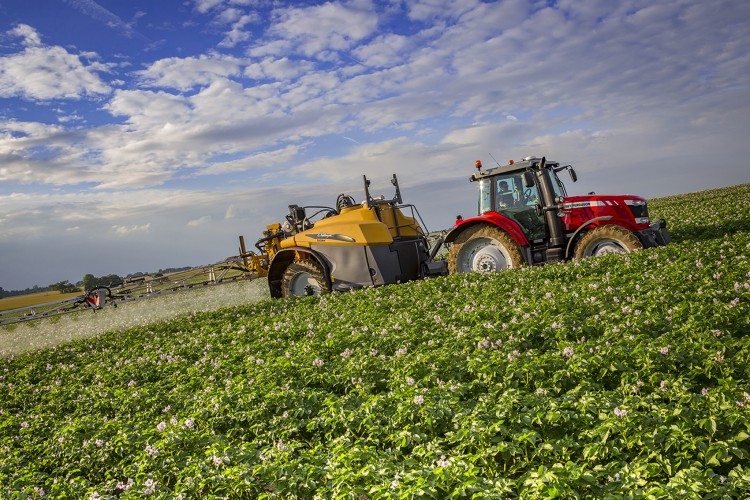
column 505, row 198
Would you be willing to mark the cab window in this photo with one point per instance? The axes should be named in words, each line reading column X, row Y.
column 507, row 192
column 557, row 184
column 485, row 196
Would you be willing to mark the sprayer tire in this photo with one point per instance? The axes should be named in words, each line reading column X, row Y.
column 301, row 274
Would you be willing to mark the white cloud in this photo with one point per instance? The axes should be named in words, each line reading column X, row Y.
column 238, row 34
column 231, row 212
column 261, row 160
column 30, row 36
column 199, row 221
column 142, row 228
column 385, row 51
column 316, row 30
column 147, row 108
column 185, row 73
column 429, row 10
column 41, row 73
column 281, row 69
column 204, row 6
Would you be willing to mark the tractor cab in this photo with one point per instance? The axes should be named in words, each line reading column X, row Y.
column 513, row 191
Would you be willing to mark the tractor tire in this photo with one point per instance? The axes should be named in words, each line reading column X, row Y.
column 303, row 277
column 605, row 240
column 484, row 249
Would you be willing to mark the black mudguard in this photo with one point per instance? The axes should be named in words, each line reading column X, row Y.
column 283, row 258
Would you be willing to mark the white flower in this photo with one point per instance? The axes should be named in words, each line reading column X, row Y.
column 418, row 399
column 150, row 486
column 124, row 486
column 394, row 483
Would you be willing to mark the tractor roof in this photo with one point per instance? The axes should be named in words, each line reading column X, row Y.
column 518, row 166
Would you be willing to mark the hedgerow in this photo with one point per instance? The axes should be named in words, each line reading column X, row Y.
column 615, row 377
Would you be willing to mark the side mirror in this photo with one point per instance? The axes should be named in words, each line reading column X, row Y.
column 528, row 179
column 573, row 174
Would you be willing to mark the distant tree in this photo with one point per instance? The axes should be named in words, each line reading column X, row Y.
column 63, row 287
column 2, row 292
column 110, row 280
column 88, row 281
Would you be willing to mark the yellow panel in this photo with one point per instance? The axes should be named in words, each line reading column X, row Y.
column 400, row 224
column 357, row 225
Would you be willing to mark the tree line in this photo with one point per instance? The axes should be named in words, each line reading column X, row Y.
column 88, row 282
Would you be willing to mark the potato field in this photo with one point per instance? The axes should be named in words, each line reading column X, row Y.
column 614, row 377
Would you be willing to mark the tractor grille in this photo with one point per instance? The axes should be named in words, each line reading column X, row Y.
column 639, row 210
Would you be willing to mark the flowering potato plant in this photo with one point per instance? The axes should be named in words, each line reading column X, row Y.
column 614, row 377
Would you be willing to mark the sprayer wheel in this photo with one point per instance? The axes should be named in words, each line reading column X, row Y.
column 303, row 277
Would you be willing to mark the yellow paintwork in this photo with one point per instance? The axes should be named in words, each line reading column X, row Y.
column 258, row 264
column 360, row 223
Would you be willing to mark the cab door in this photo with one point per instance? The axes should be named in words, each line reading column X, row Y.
column 518, row 203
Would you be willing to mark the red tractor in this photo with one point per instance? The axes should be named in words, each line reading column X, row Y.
column 526, row 217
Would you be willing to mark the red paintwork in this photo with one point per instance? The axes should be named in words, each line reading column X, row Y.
column 508, row 225
column 601, row 205
column 573, row 217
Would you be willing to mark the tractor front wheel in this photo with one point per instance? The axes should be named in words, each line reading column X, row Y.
column 484, row 249
column 606, row 239
column 303, row 277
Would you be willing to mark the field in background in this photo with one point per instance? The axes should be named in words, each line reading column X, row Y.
column 32, row 299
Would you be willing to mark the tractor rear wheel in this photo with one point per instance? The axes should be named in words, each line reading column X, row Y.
column 484, row 249
column 605, row 240
column 303, row 277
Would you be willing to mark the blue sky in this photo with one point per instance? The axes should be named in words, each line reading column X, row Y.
column 141, row 135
